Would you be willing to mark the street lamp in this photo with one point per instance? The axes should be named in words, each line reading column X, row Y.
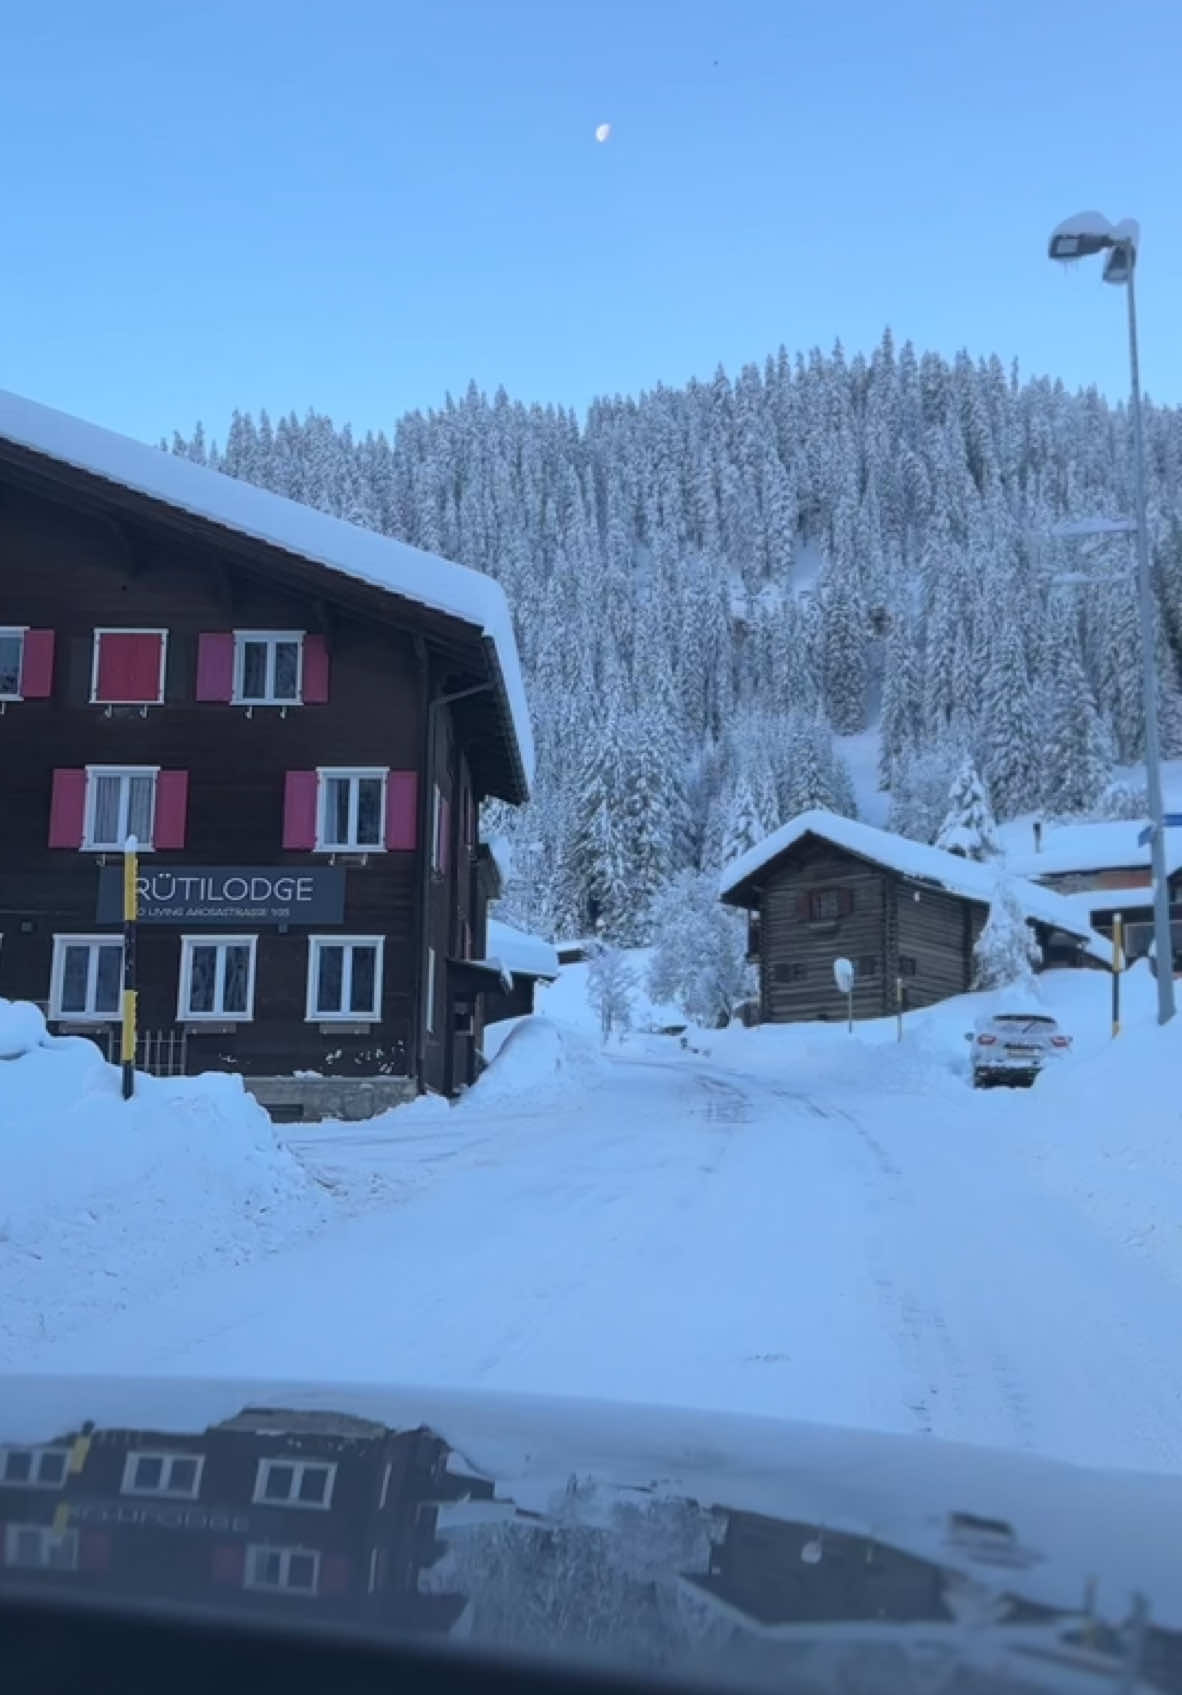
column 1079, row 238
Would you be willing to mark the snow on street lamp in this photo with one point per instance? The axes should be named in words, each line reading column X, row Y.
column 1080, row 237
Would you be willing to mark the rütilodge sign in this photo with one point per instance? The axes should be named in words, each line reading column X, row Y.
column 226, row 894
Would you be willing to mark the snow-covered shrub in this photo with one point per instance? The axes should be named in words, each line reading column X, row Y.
column 1006, row 950
column 700, row 957
column 968, row 828
column 611, row 985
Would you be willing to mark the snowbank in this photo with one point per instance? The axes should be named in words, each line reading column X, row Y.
column 538, row 1061
column 105, row 1201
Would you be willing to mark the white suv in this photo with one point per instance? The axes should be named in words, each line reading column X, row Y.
column 1013, row 1047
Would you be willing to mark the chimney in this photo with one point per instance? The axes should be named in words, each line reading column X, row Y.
column 1037, row 836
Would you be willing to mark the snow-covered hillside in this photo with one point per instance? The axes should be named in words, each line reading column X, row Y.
column 762, row 593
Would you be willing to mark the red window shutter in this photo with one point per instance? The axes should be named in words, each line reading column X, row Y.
column 229, row 1563
column 299, row 810
column 445, row 835
column 129, row 666
column 215, row 665
column 334, row 1574
column 67, row 809
column 315, row 670
column 402, row 810
column 172, row 806
column 94, row 1550
column 845, row 902
column 37, row 665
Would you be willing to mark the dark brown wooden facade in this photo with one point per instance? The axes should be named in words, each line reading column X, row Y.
column 275, row 1512
column 401, row 689
column 818, row 902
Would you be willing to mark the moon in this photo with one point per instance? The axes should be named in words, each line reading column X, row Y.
column 602, row 132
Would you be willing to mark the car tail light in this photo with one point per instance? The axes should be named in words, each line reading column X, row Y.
column 987, row 1041
column 1060, row 1041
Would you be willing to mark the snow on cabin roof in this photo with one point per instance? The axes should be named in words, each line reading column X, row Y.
column 383, row 563
column 964, row 877
column 1108, row 846
column 520, row 954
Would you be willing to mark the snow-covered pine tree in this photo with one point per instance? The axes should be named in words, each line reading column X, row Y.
column 743, row 827
column 968, row 828
column 1009, row 731
column 699, row 959
column 1076, row 749
column 1006, row 951
column 846, row 641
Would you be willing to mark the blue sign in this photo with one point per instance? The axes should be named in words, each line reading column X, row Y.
column 1171, row 821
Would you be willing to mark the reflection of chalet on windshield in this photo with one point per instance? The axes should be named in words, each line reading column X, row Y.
column 271, row 1510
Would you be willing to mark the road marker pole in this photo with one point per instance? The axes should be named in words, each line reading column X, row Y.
column 130, row 913
column 1117, row 957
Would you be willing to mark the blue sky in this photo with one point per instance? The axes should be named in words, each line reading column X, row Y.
column 359, row 206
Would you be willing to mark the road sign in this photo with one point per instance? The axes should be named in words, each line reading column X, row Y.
column 1172, row 821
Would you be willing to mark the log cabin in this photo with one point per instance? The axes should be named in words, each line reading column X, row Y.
column 907, row 916
column 297, row 720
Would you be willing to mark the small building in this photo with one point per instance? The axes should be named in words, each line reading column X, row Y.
column 522, row 962
column 298, row 721
column 906, row 915
column 1106, row 868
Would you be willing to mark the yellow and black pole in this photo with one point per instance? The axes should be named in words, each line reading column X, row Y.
column 130, row 909
column 1118, row 939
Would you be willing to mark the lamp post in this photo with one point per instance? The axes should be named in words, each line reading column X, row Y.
column 1078, row 238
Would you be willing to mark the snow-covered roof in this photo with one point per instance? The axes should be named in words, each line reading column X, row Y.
column 964, row 877
column 381, row 562
column 1130, row 899
column 1107, row 846
column 520, row 954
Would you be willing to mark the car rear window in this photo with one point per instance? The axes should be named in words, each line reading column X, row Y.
column 1024, row 1018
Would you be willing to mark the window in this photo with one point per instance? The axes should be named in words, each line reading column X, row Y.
column 352, row 810
column 34, row 1468
column 344, row 977
column 40, row 1547
column 176, row 1475
column 825, row 903
column 217, row 977
column 86, row 980
column 789, row 971
column 267, row 667
column 908, row 965
column 430, row 1020
column 294, row 1483
column 12, row 647
column 127, row 668
column 868, row 965
column 120, row 802
column 295, row 1570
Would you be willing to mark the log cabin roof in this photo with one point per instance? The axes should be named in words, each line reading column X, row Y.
column 32, row 435
column 916, row 861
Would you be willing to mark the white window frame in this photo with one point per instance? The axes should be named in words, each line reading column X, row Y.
column 352, row 774
column 270, row 638
column 57, row 971
column 184, row 1012
column 283, row 1587
column 22, row 631
column 127, row 630
column 89, row 845
column 34, row 1480
column 315, row 943
column 429, row 1020
column 166, row 1491
column 298, row 1467
column 47, row 1536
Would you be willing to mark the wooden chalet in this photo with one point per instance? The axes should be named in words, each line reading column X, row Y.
column 907, row 916
column 296, row 718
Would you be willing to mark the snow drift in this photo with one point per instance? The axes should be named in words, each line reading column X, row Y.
column 107, row 1201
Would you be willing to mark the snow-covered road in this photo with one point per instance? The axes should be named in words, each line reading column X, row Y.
column 680, row 1232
